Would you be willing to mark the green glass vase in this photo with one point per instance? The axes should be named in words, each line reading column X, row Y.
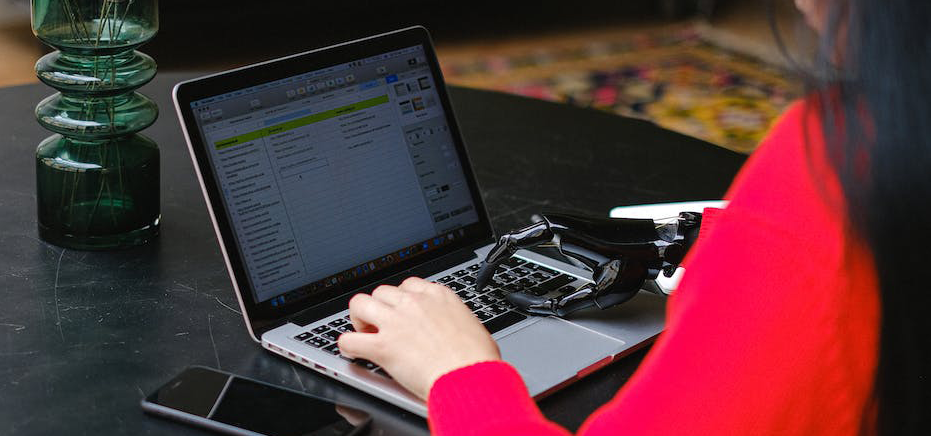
column 97, row 178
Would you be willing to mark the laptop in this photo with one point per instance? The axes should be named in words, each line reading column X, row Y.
column 330, row 172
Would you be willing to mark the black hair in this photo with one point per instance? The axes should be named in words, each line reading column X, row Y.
column 872, row 78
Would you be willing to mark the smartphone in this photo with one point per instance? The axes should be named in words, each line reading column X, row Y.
column 235, row 405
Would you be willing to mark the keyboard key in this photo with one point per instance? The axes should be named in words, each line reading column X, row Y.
column 485, row 290
column 504, row 321
column 540, row 277
column 566, row 289
column 467, row 280
column 320, row 329
column 483, row 316
column 332, row 349
column 506, row 278
column 338, row 322
column 461, row 273
column 526, row 283
column 330, row 334
column 497, row 293
column 475, row 267
column 303, row 336
column 496, row 309
column 514, row 262
column 465, row 295
column 486, row 300
column 346, row 328
column 456, row 286
column 473, row 306
column 316, row 342
column 446, row 279
column 520, row 271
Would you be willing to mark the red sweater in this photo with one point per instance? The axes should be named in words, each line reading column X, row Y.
column 773, row 329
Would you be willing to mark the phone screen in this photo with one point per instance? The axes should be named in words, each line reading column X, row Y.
column 250, row 405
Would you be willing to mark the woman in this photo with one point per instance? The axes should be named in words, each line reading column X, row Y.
column 802, row 312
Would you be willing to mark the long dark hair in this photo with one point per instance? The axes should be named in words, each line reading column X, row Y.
column 872, row 76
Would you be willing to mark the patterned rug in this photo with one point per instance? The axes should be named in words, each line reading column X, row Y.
column 673, row 78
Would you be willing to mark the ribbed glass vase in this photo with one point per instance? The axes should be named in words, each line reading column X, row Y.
column 97, row 178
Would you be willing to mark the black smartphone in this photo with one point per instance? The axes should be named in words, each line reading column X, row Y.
column 236, row 405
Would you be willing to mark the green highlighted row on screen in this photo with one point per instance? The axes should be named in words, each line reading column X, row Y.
column 299, row 122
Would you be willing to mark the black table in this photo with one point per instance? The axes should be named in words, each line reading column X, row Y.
column 83, row 335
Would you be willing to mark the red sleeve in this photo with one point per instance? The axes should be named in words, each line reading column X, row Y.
column 485, row 399
column 751, row 344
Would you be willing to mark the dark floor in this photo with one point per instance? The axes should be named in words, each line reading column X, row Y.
column 212, row 35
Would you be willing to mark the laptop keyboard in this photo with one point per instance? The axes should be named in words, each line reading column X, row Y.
column 490, row 307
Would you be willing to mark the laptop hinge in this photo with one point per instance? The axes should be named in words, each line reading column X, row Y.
column 427, row 269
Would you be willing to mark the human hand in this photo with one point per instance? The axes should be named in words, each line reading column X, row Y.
column 417, row 332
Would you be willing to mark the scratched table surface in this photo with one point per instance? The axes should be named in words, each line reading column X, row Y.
column 84, row 335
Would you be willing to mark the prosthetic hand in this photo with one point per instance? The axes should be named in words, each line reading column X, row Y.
column 622, row 254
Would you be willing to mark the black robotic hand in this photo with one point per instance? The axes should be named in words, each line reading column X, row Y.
column 622, row 254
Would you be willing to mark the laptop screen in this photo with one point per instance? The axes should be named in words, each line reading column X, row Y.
column 335, row 174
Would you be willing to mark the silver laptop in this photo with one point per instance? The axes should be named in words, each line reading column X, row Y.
column 330, row 172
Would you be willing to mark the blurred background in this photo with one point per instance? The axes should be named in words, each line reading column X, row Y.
column 707, row 68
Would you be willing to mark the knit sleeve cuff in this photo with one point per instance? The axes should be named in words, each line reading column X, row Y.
column 492, row 390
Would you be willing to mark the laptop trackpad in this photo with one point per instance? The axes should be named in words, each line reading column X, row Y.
column 552, row 350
